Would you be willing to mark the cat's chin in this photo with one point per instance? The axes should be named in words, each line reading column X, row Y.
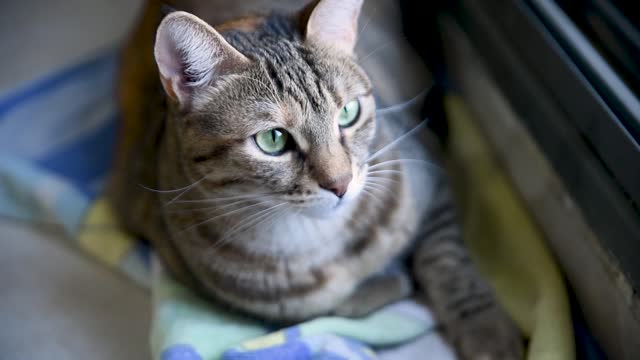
column 325, row 211
column 317, row 212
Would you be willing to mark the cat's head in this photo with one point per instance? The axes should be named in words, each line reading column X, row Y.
column 273, row 106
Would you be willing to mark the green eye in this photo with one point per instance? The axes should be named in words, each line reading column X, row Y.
column 349, row 113
column 272, row 142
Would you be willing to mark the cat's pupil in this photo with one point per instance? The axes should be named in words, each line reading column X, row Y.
column 272, row 142
column 349, row 113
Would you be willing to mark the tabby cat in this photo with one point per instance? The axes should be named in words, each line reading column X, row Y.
column 271, row 184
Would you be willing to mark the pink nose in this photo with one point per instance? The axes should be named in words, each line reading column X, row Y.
column 337, row 185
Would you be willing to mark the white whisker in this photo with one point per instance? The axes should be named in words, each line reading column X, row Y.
column 226, row 238
column 164, row 191
column 215, row 207
column 252, row 220
column 373, row 12
column 395, row 142
column 184, row 192
column 371, row 195
column 375, row 179
column 260, row 219
column 399, row 107
column 226, row 198
column 378, row 187
column 272, row 216
column 385, row 172
column 361, row 60
column 225, row 214
column 276, row 217
column 408, row 161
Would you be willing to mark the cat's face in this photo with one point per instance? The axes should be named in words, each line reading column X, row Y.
column 307, row 148
column 286, row 118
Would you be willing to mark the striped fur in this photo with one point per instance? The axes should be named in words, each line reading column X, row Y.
column 295, row 255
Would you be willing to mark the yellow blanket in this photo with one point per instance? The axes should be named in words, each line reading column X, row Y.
column 505, row 242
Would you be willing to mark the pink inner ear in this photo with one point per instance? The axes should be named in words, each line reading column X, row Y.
column 167, row 56
column 169, row 84
column 169, row 66
column 190, row 54
column 170, row 62
column 334, row 23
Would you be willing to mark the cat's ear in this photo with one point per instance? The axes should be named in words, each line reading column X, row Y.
column 190, row 54
column 333, row 23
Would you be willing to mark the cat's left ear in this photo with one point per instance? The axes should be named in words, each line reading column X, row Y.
column 191, row 54
column 333, row 23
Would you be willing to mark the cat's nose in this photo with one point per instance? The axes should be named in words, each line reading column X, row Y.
column 337, row 185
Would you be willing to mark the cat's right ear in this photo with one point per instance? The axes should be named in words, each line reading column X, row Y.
column 192, row 54
column 332, row 23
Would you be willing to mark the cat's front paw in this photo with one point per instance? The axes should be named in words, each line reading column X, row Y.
column 487, row 335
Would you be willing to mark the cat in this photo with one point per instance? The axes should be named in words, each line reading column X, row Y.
column 255, row 160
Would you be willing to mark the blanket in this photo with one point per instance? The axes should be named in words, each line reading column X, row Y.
column 188, row 327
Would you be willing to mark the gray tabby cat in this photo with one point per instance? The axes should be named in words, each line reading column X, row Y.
column 283, row 197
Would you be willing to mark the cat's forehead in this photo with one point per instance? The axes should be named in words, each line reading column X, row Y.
column 249, row 35
column 248, row 105
column 276, row 44
column 288, row 85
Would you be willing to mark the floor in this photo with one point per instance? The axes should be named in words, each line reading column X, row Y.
column 55, row 304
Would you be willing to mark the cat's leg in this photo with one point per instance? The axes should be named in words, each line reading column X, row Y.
column 375, row 293
column 463, row 302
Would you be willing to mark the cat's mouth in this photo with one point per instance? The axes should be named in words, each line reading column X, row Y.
column 331, row 205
